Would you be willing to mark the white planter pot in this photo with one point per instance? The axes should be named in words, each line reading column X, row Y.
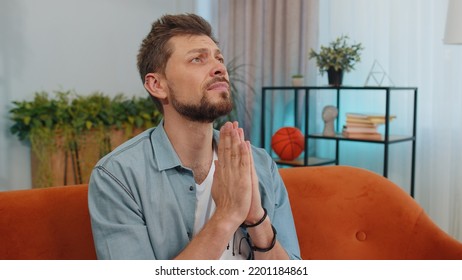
column 297, row 82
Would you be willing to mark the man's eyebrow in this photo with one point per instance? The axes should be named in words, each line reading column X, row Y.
column 203, row 50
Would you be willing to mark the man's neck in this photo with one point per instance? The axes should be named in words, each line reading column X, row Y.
column 192, row 142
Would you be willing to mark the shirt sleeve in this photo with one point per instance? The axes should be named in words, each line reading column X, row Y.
column 283, row 220
column 119, row 229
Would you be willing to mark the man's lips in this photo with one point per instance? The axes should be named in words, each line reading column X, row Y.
column 219, row 86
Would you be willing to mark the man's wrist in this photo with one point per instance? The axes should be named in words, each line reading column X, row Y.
column 225, row 220
column 262, row 236
column 259, row 222
column 266, row 249
column 255, row 217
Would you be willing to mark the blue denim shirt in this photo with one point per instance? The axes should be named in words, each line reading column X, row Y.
column 142, row 200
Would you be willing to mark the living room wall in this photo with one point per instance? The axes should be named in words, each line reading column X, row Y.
column 80, row 45
column 406, row 37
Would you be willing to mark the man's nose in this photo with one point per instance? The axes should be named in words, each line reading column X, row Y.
column 219, row 69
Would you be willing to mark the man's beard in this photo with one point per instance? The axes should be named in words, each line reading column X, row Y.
column 205, row 111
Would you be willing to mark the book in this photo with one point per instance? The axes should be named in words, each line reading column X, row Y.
column 360, row 129
column 364, row 126
column 360, row 124
column 365, row 136
column 374, row 119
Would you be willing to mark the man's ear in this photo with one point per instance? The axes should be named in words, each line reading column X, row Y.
column 155, row 85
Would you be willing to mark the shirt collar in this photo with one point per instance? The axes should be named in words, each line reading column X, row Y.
column 165, row 154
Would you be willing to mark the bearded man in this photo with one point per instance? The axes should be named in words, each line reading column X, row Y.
column 183, row 190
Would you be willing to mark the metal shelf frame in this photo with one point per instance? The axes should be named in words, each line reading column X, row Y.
column 387, row 140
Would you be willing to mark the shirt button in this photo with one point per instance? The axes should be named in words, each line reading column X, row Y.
column 191, row 188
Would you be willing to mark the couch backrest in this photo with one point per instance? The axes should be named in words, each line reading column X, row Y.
column 350, row 213
column 50, row 223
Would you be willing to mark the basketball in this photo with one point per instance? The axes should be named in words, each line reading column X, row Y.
column 288, row 143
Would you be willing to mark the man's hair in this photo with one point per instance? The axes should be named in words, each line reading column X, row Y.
column 155, row 49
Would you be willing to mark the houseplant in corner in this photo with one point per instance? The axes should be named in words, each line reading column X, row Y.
column 337, row 58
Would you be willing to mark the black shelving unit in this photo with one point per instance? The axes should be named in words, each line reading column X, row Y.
column 386, row 141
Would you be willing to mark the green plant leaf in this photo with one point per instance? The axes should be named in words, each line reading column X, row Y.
column 88, row 125
column 26, row 120
column 338, row 55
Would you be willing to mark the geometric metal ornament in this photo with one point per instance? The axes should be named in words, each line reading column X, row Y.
column 377, row 76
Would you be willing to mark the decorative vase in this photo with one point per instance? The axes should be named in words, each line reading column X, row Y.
column 335, row 77
column 297, row 81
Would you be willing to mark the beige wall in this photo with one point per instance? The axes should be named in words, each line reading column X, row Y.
column 84, row 45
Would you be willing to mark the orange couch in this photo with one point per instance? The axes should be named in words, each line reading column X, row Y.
column 350, row 213
column 340, row 213
column 51, row 223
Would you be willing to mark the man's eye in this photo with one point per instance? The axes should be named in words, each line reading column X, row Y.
column 221, row 59
column 196, row 59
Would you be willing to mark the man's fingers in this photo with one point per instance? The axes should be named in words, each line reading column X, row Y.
column 249, row 148
column 236, row 149
column 239, row 130
column 221, row 146
column 232, row 187
column 226, row 143
column 245, row 155
column 241, row 134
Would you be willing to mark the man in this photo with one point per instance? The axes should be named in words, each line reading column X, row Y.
column 183, row 190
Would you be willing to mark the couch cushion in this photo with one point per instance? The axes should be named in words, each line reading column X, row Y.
column 345, row 212
column 50, row 223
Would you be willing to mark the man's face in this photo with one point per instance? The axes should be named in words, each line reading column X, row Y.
column 197, row 80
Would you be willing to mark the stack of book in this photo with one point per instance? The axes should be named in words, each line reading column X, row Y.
column 363, row 126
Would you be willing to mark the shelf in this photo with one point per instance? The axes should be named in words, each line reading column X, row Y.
column 312, row 161
column 301, row 120
column 392, row 138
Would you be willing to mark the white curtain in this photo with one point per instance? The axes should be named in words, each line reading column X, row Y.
column 405, row 36
column 270, row 40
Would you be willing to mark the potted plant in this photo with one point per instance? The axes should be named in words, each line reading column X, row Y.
column 336, row 58
column 68, row 133
column 297, row 80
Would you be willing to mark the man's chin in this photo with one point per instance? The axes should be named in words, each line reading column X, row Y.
column 223, row 95
column 210, row 108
